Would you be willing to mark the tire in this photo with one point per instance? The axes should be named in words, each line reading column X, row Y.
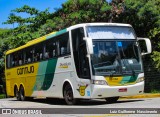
column 17, row 94
column 111, row 99
column 68, row 95
column 22, row 94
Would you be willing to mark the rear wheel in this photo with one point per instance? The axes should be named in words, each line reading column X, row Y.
column 17, row 94
column 22, row 93
column 68, row 95
column 111, row 99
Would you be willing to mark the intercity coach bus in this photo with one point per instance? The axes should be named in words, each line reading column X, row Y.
column 84, row 61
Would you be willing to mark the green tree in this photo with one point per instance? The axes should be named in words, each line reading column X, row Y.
column 83, row 11
column 3, row 48
column 27, row 28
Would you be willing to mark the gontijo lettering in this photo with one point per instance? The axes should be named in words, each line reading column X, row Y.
column 25, row 70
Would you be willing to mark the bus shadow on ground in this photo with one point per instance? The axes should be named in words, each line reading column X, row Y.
column 54, row 101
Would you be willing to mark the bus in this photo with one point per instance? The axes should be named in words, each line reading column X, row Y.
column 83, row 61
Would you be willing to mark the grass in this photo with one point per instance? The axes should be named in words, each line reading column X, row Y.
column 2, row 96
column 155, row 91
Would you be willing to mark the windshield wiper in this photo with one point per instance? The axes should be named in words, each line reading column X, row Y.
column 112, row 73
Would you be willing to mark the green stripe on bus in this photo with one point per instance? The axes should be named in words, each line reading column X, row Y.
column 40, row 75
column 57, row 33
column 46, row 70
column 128, row 79
column 49, row 75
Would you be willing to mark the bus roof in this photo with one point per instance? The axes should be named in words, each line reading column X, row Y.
column 32, row 42
column 53, row 34
column 99, row 24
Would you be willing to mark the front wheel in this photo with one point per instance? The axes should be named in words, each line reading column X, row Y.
column 111, row 99
column 68, row 95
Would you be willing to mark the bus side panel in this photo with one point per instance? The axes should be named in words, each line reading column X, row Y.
column 30, row 80
column 52, row 75
column 44, row 77
column 23, row 75
column 8, row 88
column 63, row 72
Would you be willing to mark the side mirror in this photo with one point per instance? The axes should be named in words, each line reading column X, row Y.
column 89, row 44
column 147, row 45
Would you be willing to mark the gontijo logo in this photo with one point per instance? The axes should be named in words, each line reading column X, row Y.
column 25, row 70
column 64, row 65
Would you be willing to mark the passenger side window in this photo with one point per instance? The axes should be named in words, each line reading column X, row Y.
column 51, row 49
column 15, row 59
column 39, row 52
column 29, row 55
column 57, row 46
column 20, row 58
column 64, row 45
column 8, row 61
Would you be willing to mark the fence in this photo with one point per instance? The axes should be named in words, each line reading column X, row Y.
column 152, row 75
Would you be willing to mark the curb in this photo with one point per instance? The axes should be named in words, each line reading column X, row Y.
column 142, row 96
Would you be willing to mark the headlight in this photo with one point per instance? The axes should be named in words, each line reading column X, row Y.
column 99, row 82
column 141, row 79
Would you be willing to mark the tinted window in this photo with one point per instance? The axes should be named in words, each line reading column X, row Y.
column 29, row 55
column 57, row 46
column 8, row 61
column 80, row 53
column 38, row 52
column 51, row 49
column 64, row 46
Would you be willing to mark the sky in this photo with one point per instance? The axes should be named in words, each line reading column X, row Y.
column 7, row 5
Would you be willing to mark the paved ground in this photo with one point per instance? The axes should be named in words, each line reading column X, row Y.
column 87, row 106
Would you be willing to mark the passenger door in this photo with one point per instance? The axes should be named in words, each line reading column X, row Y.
column 81, row 62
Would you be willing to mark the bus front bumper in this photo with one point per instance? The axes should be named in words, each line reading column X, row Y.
column 102, row 91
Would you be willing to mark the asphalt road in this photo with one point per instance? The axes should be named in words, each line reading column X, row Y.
column 57, row 106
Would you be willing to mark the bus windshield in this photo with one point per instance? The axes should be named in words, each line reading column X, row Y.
column 115, row 51
column 115, row 57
